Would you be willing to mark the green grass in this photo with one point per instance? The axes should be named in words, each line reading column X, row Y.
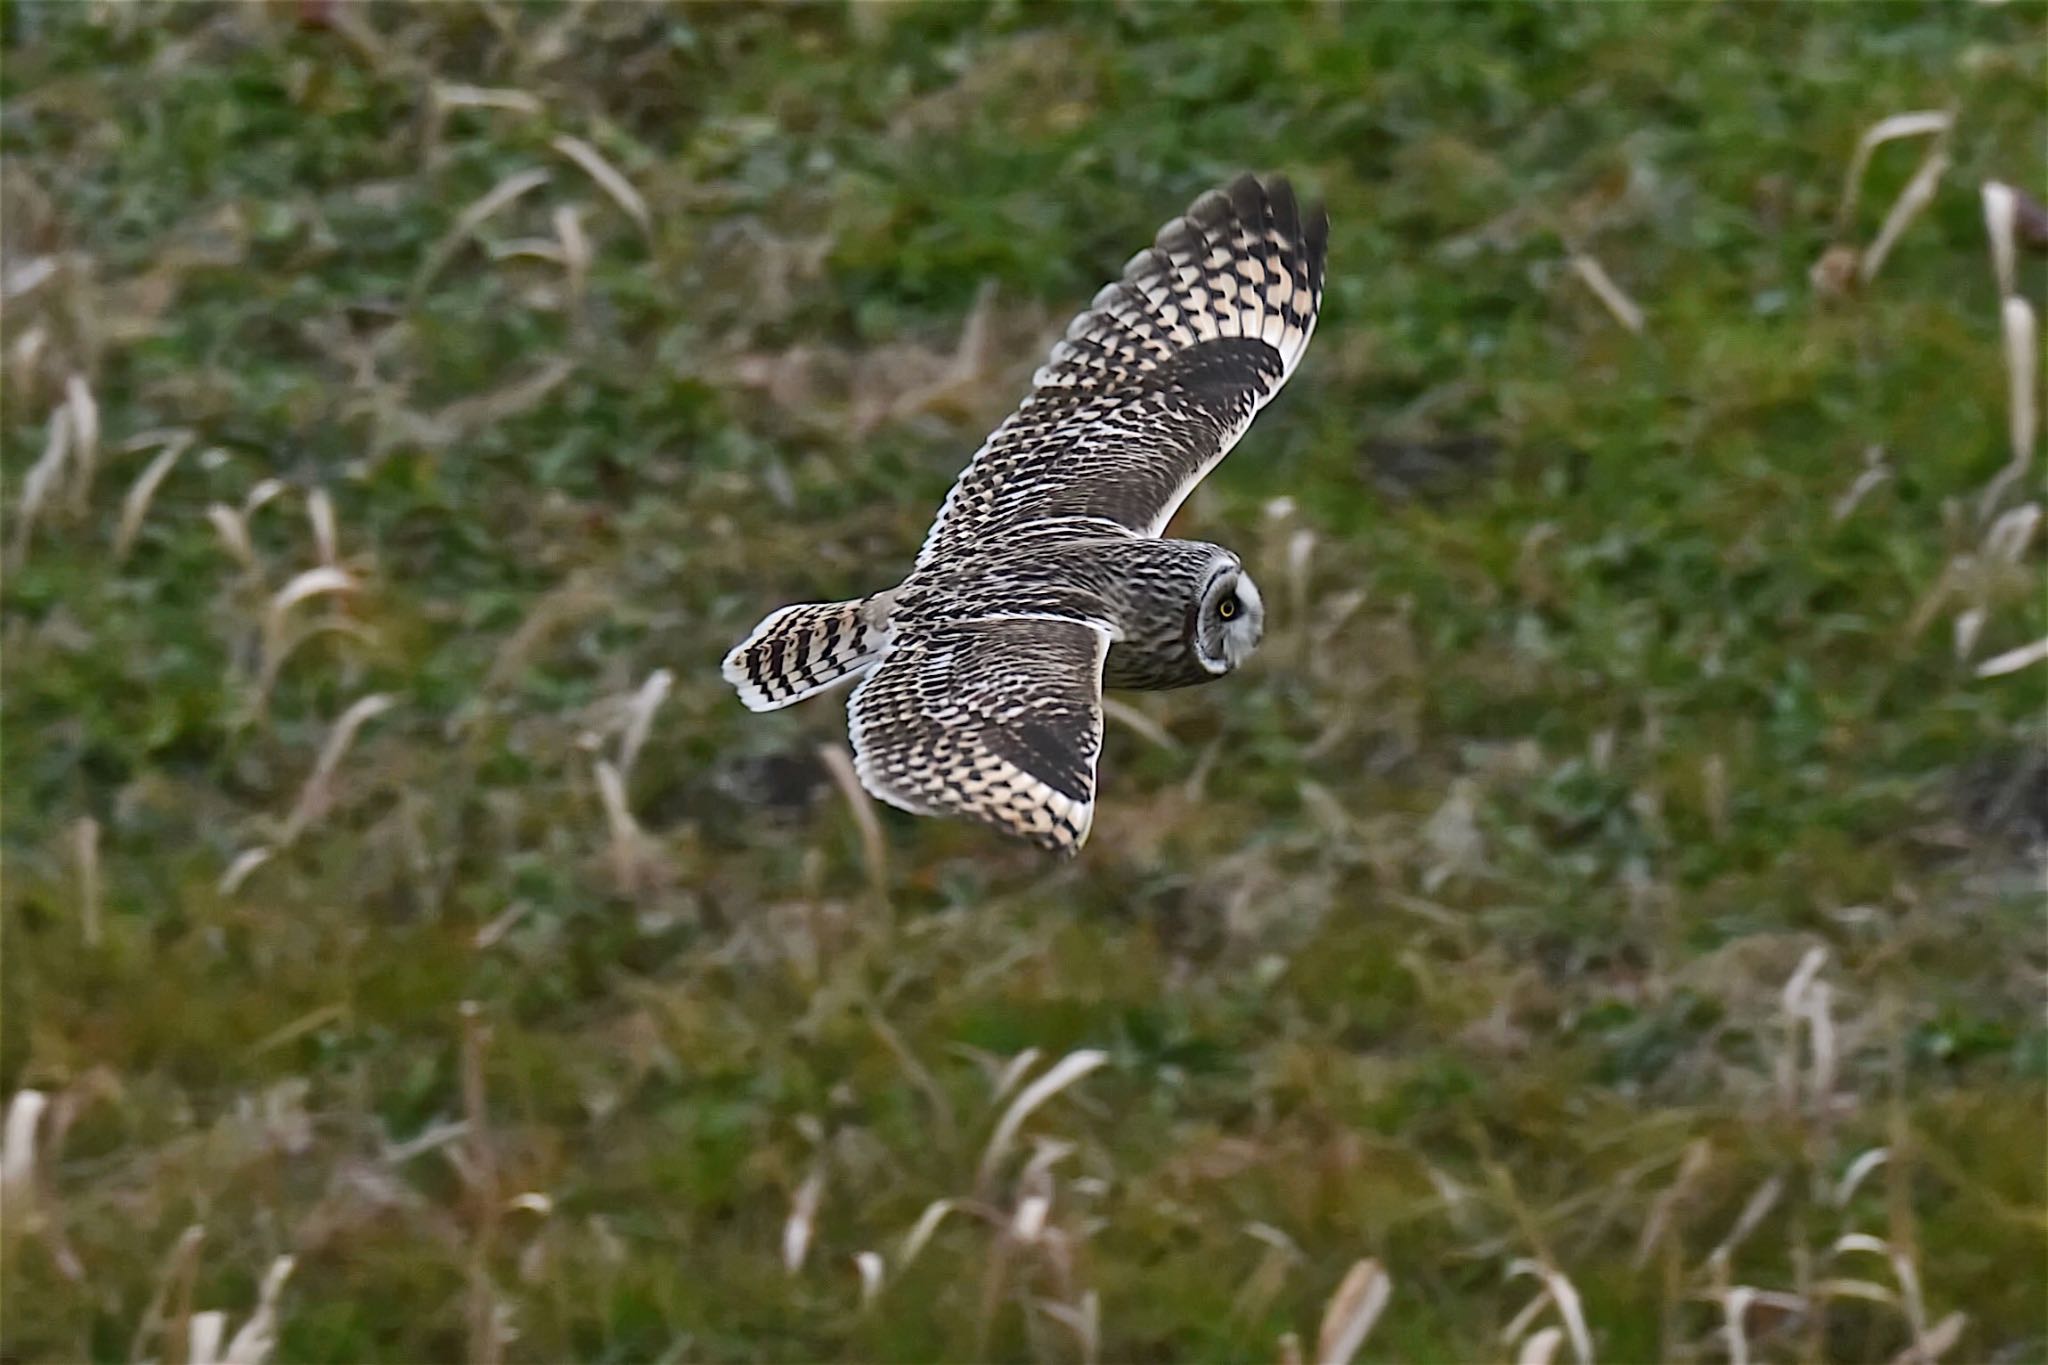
column 1442, row 934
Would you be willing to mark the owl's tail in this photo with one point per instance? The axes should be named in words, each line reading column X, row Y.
column 802, row 650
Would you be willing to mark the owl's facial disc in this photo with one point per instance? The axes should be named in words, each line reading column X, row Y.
column 1231, row 621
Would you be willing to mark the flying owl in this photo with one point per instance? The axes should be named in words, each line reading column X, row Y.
column 1044, row 578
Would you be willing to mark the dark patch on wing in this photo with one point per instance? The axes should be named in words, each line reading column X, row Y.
column 1221, row 373
column 1052, row 754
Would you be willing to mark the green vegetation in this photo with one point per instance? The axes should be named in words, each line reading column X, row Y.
column 1463, row 929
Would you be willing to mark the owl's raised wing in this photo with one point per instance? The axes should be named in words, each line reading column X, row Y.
column 999, row 720
column 1155, row 382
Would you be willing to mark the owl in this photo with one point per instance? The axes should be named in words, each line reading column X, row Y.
column 1045, row 578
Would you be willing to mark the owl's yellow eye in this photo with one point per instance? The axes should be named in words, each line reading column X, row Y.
column 1227, row 608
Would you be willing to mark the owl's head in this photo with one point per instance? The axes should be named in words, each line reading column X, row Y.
column 1231, row 618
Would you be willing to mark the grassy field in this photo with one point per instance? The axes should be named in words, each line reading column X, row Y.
column 1615, row 890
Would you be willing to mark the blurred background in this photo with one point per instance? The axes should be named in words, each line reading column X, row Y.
column 1604, row 921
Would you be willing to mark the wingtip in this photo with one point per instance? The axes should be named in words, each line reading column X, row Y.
column 1250, row 194
column 1069, row 848
column 1315, row 228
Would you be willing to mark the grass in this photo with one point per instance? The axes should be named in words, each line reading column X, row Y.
column 1613, row 885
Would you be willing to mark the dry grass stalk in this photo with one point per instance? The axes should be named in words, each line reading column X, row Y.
column 1911, row 203
column 135, row 506
column 1874, row 473
column 2001, row 216
column 278, row 652
column 449, row 96
column 24, row 363
column 803, row 1219
column 1557, row 1290
column 1804, row 1007
column 85, row 441
column 480, row 1174
column 1736, row 1302
column 320, row 517
column 1862, row 1166
column 85, row 852
column 873, row 850
column 2007, row 540
column 1623, row 308
column 1984, row 576
column 262, row 495
column 277, row 640
column 1699, row 1155
column 1062, row 1074
column 1083, row 1318
column 1908, row 1275
column 18, row 1158
column 1012, row 1073
column 2013, row 660
column 2023, row 377
column 504, row 193
column 1929, row 1344
column 317, row 795
column 1269, row 1276
column 245, row 862
column 630, row 864
column 257, row 1340
column 640, row 717
column 1349, row 1316
column 203, row 1339
column 18, row 281
column 466, row 415
column 1842, row 266
column 40, row 481
column 2022, row 348
column 921, row 1231
column 1037, row 1172
column 1754, row 1211
column 526, row 248
column 608, row 178
column 1539, row 1347
column 1935, row 1343
column 303, row 587
column 1027, row 1223
column 233, row 529
column 576, row 254
column 1922, row 123
column 872, row 1271
column 1969, row 624
column 170, row 1309
column 1847, row 1287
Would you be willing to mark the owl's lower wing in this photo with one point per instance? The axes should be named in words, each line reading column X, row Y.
column 997, row 720
column 1155, row 382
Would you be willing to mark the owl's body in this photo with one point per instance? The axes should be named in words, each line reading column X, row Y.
column 1044, row 578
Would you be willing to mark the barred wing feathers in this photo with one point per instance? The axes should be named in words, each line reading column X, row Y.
column 997, row 719
column 1155, row 382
